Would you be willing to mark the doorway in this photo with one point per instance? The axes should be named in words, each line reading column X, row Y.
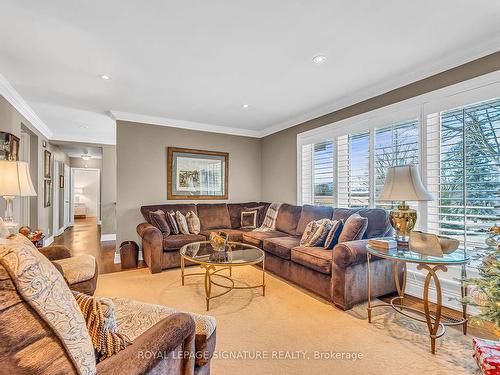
column 85, row 196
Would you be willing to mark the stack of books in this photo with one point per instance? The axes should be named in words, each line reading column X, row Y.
column 383, row 244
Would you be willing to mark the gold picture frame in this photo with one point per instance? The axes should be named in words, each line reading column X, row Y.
column 197, row 174
column 47, row 163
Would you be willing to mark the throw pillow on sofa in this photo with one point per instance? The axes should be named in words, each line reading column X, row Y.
column 193, row 222
column 181, row 222
column 261, row 213
column 316, row 232
column 354, row 228
column 172, row 222
column 99, row 314
column 333, row 236
column 159, row 220
column 249, row 219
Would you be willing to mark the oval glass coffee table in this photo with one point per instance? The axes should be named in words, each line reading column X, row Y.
column 214, row 262
column 435, row 320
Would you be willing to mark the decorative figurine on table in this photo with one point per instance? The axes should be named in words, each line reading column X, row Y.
column 494, row 238
column 35, row 237
column 219, row 240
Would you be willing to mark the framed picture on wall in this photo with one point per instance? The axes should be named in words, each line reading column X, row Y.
column 61, row 181
column 47, row 193
column 197, row 174
column 47, row 161
column 9, row 146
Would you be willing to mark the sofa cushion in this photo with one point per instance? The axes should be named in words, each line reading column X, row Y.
column 354, row 228
column 235, row 235
column 77, row 269
column 280, row 246
column 214, row 216
column 43, row 288
column 249, row 219
column 288, row 218
column 176, row 241
column 193, row 222
column 261, row 213
column 312, row 213
column 133, row 318
column 181, row 222
column 235, row 212
column 159, row 220
column 333, row 236
column 256, row 238
column 184, row 208
column 315, row 258
column 172, row 222
column 379, row 224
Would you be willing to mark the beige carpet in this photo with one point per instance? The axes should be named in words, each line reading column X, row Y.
column 289, row 321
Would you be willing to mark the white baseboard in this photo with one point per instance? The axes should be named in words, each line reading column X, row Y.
column 99, row 222
column 48, row 241
column 108, row 237
column 59, row 232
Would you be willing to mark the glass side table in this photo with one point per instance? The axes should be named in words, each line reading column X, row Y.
column 436, row 322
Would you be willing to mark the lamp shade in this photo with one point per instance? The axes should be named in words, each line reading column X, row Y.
column 15, row 179
column 403, row 183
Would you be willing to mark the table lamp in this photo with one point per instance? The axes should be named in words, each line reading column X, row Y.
column 15, row 181
column 402, row 183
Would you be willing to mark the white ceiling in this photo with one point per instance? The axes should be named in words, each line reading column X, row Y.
column 194, row 63
column 77, row 150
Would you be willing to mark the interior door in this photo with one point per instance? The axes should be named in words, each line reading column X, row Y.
column 67, row 196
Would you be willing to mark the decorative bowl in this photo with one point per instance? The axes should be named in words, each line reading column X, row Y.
column 431, row 244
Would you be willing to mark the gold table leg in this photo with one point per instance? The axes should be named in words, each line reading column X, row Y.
column 369, row 308
column 182, row 270
column 433, row 324
column 263, row 278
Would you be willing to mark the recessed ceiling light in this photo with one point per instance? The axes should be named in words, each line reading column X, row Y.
column 319, row 59
column 245, row 106
column 83, row 126
column 104, row 77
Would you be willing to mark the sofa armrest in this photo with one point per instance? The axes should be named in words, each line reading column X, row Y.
column 55, row 252
column 152, row 245
column 347, row 254
column 151, row 347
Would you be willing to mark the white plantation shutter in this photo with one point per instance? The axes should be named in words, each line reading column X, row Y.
column 397, row 144
column 307, row 172
column 354, row 170
column 463, row 171
column 323, row 173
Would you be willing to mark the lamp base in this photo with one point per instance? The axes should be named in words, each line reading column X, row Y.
column 403, row 220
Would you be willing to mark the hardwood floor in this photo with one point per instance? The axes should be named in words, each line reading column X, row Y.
column 85, row 238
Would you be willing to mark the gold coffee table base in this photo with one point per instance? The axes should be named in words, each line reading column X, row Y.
column 212, row 271
column 435, row 325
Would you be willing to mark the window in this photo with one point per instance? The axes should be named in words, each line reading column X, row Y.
column 394, row 145
column 465, row 170
column 323, row 173
column 458, row 152
column 354, row 170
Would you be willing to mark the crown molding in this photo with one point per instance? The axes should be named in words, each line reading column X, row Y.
column 174, row 123
column 15, row 99
column 439, row 65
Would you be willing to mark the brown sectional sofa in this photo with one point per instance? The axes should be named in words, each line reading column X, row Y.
column 339, row 275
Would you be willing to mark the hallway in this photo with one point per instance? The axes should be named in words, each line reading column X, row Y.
column 84, row 238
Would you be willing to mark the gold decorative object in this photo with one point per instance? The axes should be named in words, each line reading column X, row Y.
column 218, row 240
column 402, row 183
column 494, row 238
column 431, row 244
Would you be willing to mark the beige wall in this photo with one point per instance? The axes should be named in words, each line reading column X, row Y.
column 279, row 150
column 142, row 167
column 11, row 121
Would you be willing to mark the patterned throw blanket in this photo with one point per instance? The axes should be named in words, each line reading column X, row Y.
column 269, row 223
